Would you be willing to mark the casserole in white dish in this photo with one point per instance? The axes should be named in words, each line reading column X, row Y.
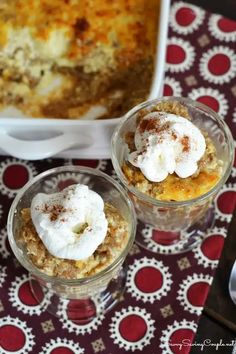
column 33, row 138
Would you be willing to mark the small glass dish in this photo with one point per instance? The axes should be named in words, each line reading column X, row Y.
column 85, row 298
column 178, row 225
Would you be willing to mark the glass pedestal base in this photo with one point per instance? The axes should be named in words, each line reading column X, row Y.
column 168, row 242
column 81, row 310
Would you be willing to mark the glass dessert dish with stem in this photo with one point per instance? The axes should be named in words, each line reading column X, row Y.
column 77, row 289
column 172, row 155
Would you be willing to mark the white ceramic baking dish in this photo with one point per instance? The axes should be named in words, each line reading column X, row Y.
column 35, row 139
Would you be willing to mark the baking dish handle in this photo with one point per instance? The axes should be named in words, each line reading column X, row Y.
column 40, row 149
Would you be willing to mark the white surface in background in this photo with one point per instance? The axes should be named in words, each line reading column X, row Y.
column 41, row 138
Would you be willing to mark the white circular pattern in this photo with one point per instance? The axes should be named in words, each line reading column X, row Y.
column 195, row 94
column 229, row 187
column 217, row 32
column 201, row 257
column 175, row 86
column 101, row 164
column 19, row 305
column 122, row 342
column 220, row 78
column 3, row 275
column 1, row 212
column 79, row 328
column 183, row 290
column 234, row 116
column 167, row 333
column 150, row 296
column 189, row 55
column 115, row 177
column 147, row 233
column 61, row 342
column 7, row 164
column 189, row 28
column 23, row 326
column 3, row 244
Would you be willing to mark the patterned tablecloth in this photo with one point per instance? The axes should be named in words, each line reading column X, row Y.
column 165, row 294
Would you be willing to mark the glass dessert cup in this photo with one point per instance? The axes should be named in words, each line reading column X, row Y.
column 174, row 226
column 80, row 300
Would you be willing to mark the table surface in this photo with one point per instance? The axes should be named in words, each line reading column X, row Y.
column 200, row 64
column 226, row 8
column 219, row 315
column 219, row 312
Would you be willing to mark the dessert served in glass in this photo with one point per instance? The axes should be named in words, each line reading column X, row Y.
column 173, row 155
column 71, row 227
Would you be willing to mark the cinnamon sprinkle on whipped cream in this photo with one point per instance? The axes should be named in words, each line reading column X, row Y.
column 70, row 223
column 166, row 144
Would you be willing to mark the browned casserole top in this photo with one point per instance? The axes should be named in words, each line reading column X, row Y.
column 60, row 58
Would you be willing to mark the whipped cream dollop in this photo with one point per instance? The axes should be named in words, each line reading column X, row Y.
column 167, row 143
column 71, row 223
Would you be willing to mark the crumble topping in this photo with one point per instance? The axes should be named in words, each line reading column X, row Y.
column 113, row 244
column 173, row 188
column 58, row 59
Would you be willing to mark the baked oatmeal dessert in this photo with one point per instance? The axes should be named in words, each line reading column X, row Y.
column 72, row 234
column 170, row 158
column 76, row 58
